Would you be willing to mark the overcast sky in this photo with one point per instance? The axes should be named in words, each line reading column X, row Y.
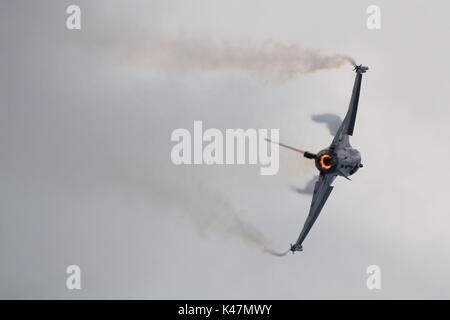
column 86, row 176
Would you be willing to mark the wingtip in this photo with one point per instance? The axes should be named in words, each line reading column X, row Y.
column 296, row 247
column 360, row 68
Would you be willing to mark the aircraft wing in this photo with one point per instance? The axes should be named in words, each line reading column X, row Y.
column 322, row 190
column 348, row 123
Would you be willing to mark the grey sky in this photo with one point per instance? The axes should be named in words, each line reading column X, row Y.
column 86, row 177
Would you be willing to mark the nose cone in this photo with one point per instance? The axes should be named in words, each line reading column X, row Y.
column 349, row 161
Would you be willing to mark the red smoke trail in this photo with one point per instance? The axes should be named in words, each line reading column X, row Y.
column 286, row 146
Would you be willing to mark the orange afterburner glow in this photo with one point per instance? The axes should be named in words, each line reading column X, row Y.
column 325, row 161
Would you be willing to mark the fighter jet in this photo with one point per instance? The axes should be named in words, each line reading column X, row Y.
column 339, row 159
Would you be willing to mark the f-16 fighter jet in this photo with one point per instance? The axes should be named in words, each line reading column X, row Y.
column 339, row 159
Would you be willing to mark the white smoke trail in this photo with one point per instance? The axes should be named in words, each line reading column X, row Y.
column 221, row 217
column 210, row 212
column 276, row 253
column 333, row 121
column 269, row 58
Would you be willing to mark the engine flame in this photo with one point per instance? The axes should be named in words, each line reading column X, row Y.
column 326, row 162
